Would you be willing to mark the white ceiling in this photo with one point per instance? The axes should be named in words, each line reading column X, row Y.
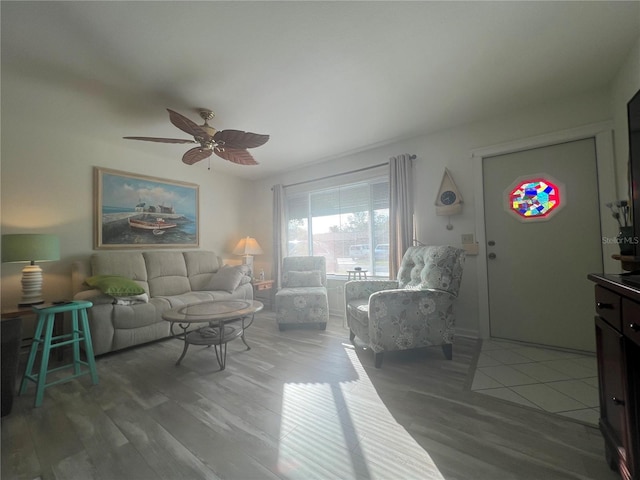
column 324, row 79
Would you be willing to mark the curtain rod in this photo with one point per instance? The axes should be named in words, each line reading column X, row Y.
column 412, row 157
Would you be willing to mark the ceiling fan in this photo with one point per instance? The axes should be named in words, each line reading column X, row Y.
column 228, row 144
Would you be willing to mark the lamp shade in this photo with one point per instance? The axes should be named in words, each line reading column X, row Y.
column 30, row 247
column 247, row 246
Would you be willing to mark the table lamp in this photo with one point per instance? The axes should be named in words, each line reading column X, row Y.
column 248, row 247
column 30, row 248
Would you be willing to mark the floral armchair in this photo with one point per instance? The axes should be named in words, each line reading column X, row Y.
column 414, row 311
column 303, row 296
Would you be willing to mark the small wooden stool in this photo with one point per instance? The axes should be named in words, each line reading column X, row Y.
column 46, row 320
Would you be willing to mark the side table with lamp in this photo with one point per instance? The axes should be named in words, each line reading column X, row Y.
column 17, row 248
column 248, row 247
column 263, row 291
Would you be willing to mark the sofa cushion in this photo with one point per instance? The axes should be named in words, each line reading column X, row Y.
column 175, row 301
column 431, row 267
column 228, row 278
column 115, row 285
column 94, row 296
column 136, row 316
column 302, row 305
column 305, row 264
column 127, row 264
column 296, row 279
column 131, row 300
column 167, row 273
column 359, row 309
column 201, row 266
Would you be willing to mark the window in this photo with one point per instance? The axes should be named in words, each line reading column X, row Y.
column 346, row 224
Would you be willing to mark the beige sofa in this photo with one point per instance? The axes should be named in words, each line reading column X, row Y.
column 169, row 278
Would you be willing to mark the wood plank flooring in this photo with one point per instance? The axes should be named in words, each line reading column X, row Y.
column 301, row 404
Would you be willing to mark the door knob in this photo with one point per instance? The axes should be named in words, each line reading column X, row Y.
column 492, row 255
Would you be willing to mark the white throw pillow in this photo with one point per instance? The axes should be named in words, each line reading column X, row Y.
column 228, row 278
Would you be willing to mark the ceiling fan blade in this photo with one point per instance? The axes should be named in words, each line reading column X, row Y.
column 236, row 155
column 186, row 125
column 195, row 155
column 162, row 140
column 240, row 139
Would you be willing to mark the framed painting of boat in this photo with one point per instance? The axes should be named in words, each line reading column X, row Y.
column 138, row 211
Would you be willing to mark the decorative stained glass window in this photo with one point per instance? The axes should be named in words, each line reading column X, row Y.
column 534, row 198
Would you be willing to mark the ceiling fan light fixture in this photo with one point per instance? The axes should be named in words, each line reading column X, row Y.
column 206, row 114
column 209, row 129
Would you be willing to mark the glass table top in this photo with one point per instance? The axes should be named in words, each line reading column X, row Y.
column 212, row 310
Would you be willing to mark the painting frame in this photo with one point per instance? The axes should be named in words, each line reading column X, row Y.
column 165, row 214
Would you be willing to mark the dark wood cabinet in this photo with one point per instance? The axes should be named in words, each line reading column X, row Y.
column 617, row 323
column 10, row 336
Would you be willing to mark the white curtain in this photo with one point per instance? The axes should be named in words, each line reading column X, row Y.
column 279, row 233
column 400, row 210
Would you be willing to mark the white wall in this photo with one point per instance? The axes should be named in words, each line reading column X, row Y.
column 53, row 134
column 625, row 85
column 452, row 149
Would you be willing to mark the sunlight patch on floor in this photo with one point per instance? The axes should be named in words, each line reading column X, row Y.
column 336, row 434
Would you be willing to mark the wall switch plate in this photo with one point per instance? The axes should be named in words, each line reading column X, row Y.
column 467, row 238
column 471, row 248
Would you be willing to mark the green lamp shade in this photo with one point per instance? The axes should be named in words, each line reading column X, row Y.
column 28, row 247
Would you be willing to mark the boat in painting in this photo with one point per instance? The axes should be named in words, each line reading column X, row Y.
column 157, row 226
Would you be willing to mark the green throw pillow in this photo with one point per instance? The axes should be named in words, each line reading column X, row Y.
column 115, row 285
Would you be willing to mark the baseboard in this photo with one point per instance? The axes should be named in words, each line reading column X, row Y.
column 467, row 333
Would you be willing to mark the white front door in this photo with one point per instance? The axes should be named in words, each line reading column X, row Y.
column 538, row 290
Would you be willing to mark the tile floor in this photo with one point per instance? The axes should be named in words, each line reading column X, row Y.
column 558, row 381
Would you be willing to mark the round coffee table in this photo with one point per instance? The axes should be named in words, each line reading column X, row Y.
column 217, row 314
